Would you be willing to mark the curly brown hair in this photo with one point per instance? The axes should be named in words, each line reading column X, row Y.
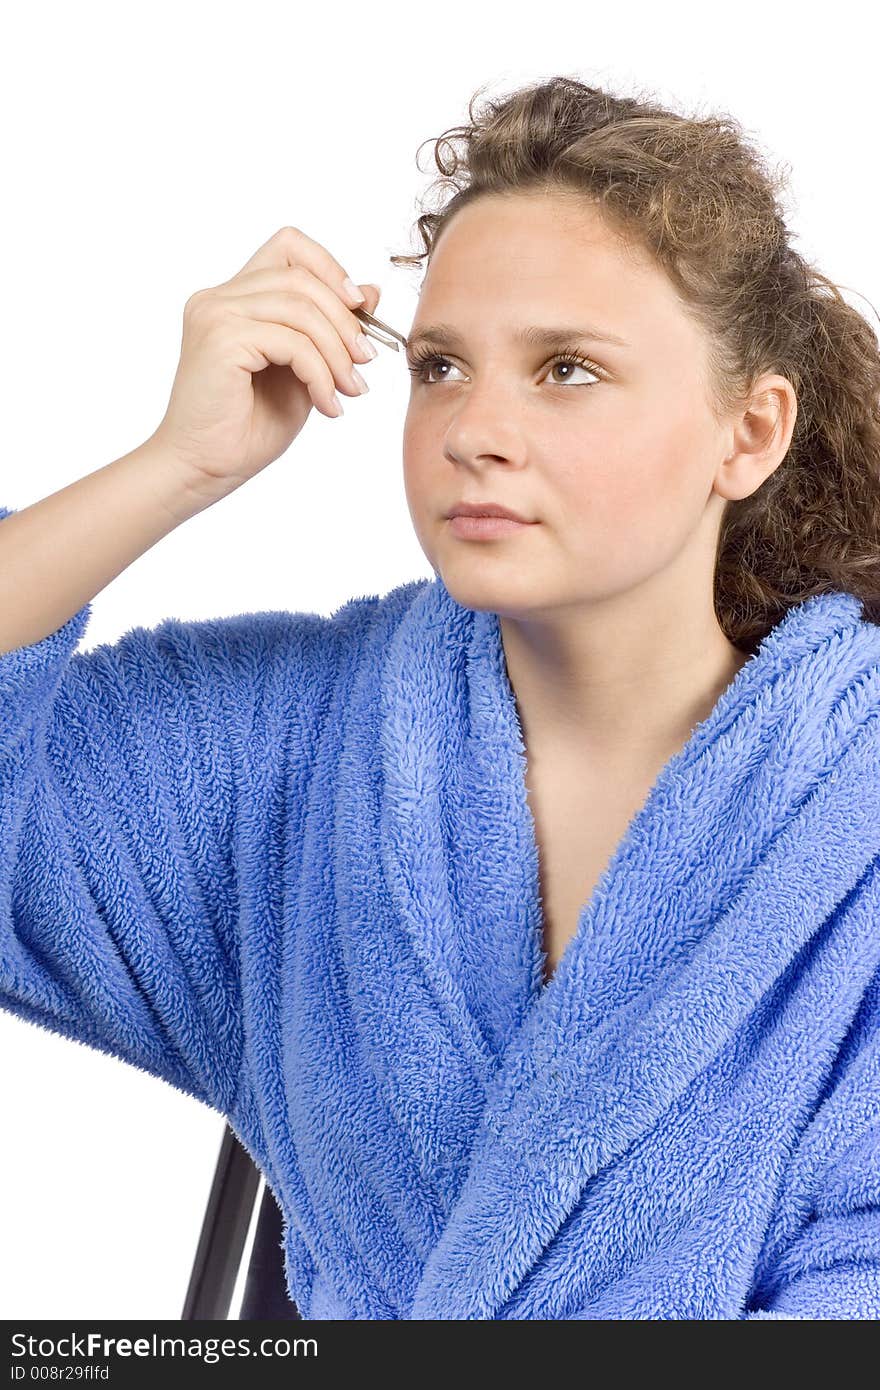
column 696, row 193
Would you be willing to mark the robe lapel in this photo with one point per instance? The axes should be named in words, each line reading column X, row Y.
column 458, row 847
column 673, row 951
column 576, row 1091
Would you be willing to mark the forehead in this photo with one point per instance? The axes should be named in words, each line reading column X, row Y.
column 542, row 258
column 521, row 228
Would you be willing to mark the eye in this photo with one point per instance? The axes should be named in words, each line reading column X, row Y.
column 574, row 359
column 423, row 363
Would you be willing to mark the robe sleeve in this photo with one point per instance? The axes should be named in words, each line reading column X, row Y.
column 123, row 792
column 831, row 1267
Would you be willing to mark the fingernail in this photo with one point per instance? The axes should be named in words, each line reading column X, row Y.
column 353, row 292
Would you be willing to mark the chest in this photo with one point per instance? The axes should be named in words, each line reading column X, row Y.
column 580, row 821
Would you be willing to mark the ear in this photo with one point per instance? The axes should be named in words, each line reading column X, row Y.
column 761, row 438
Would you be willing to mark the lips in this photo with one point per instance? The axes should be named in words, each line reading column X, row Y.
column 486, row 509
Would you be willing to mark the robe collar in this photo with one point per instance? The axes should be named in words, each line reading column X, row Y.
column 669, row 958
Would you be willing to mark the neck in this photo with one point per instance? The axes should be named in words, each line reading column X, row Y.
column 616, row 681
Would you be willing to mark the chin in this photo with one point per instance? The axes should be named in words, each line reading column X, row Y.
column 488, row 584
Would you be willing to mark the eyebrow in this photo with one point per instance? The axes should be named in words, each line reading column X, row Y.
column 443, row 335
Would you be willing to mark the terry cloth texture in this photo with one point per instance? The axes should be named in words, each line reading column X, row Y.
column 286, row 862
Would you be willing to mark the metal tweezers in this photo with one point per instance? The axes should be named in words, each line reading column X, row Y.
column 375, row 328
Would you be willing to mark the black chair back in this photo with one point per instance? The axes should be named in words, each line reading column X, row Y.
column 222, row 1240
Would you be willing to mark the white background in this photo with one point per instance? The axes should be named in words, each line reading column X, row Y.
column 147, row 153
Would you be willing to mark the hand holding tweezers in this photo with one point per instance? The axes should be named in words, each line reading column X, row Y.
column 375, row 328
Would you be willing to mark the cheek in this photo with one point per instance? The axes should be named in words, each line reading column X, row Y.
column 422, row 488
column 415, row 470
column 423, row 463
column 611, row 484
column 640, row 489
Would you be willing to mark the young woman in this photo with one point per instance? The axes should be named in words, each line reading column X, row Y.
column 522, row 922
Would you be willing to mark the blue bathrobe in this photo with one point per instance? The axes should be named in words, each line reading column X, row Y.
column 286, row 862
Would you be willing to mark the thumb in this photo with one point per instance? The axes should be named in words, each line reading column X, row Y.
column 373, row 294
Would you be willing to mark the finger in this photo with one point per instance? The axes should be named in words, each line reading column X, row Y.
column 271, row 342
column 299, row 280
column 299, row 312
column 291, row 246
column 372, row 295
column 371, row 299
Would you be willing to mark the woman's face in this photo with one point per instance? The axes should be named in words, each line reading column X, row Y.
column 617, row 468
